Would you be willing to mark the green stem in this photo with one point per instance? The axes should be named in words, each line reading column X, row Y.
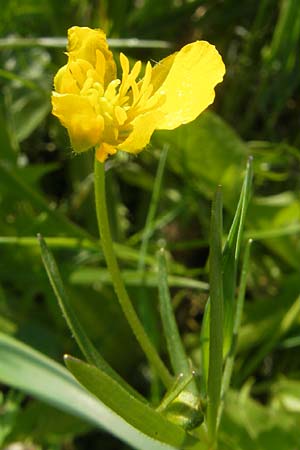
column 113, row 267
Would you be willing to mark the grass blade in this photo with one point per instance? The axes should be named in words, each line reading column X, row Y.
column 149, row 225
column 136, row 413
column 89, row 275
column 145, row 306
column 231, row 255
column 83, row 341
column 204, row 345
column 178, row 357
column 237, row 322
column 230, row 260
column 179, row 385
column 124, row 252
column 216, row 318
column 33, row 373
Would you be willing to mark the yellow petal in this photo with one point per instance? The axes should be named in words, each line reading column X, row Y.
column 143, row 128
column 187, row 78
column 161, row 70
column 78, row 116
column 64, row 82
column 103, row 151
column 84, row 44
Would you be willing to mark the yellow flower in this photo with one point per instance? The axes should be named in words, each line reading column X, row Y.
column 109, row 113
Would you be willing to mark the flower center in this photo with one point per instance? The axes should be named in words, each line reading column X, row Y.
column 121, row 101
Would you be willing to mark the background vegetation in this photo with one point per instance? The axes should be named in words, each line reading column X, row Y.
column 45, row 189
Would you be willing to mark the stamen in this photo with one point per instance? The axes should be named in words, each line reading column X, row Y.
column 79, row 70
column 147, row 78
column 124, row 64
column 143, row 104
column 87, row 85
column 110, row 92
column 120, row 114
column 105, row 107
column 142, row 99
column 135, row 70
column 128, row 78
column 123, row 101
column 99, row 88
column 100, row 66
column 135, row 93
column 155, row 101
column 108, row 117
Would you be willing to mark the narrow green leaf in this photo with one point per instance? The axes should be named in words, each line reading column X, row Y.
column 83, row 341
column 291, row 342
column 178, row 357
column 148, row 229
column 138, row 414
column 179, row 385
column 246, row 194
column 216, row 317
column 230, row 260
column 124, row 252
column 185, row 408
column 89, row 275
column 231, row 256
column 236, row 227
column 288, row 230
column 237, row 322
column 204, row 345
column 30, row 371
column 146, row 307
column 8, row 152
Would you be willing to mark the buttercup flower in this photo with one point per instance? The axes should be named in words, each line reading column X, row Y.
column 109, row 113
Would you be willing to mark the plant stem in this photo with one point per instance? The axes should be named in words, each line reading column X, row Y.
column 113, row 267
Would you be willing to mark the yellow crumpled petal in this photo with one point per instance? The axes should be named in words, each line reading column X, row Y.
column 187, row 79
column 143, row 128
column 83, row 43
column 64, row 82
column 161, row 70
column 103, row 151
column 76, row 113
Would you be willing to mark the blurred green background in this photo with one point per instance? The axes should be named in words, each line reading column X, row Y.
column 45, row 188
